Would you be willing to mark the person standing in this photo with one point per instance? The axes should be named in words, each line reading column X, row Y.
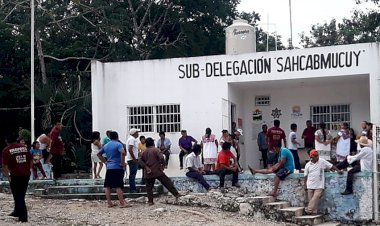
column 223, row 165
column 275, row 136
column 293, row 145
column 361, row 162
column 44, row 141
column 115, row 164
column 283, row 168
column 164, row 145
column 323, row 140
column 142, row 148
column 193, row 164
column 263, row 145
column 37, row 156
column 314, row 180
column 343, row 140
column 95, row 148
column 236, row 145
column 56, row 149
column 210, row 150
column 308, row 135
column 17, row 162
column 153, row 163
column 107, row 139
column 132, row 158
column 185, row 144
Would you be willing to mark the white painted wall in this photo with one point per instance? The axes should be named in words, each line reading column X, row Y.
column 118, row 85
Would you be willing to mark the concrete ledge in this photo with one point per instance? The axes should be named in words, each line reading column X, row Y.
column 351, row 208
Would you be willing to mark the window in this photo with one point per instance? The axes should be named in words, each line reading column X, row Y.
column 262, row 100
column 155, row 118
column 332, row 115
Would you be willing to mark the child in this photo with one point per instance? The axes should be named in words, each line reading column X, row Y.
column 37, row 155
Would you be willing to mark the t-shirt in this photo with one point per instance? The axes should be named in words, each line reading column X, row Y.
column 18, row 159
column 224, row 157
column 275, row 135
column 57, row 146
column 309, row 137
column 193, row 161
column 186, row 142
column 343, row 144
column 113, row 150
column 152, row 158
column 289, row 163
column 106, row 140
column 292, row 137
column 142, row 147
column 315, row 173
column 132, row 141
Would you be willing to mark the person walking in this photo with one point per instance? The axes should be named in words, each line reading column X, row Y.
column 185, row 143
column 17, row 162
column 164, row 145
column 210, row 150
column 115, row 164
column 153, row 163
column 95, row 148
column 263, row 145
column 132, row 158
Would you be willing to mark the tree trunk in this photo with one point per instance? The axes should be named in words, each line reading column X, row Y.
column 41, row 58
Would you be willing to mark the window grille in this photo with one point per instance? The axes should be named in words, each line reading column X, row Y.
column 155, row 118
column 262, row 100
column 332, row 115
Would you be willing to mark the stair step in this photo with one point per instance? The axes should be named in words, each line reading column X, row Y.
column 82, row 189
column 290, row 213
column 262, row 200
column 328, row 224
column 93, row 196
column 309, row 220
column 278, row 205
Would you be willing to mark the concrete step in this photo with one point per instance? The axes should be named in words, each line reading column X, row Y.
column 277, row 205
column 289, row 214
column 93, row 196
column 329, row 224
column 82, row 189
column 262, row 200
column 309, row 220
column 76, row 176
column 271, row 210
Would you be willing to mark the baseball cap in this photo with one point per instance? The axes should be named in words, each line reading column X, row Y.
column 313, row 153
column 133, row 131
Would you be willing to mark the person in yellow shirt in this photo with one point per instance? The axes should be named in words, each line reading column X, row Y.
column 142, row 147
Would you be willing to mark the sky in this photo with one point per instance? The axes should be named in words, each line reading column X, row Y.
column 304, row 14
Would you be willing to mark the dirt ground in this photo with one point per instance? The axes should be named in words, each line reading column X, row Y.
column 82, row 212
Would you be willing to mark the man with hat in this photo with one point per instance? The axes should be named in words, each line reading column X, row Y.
column 365, row 156
column 315, row 180
column 132, row 158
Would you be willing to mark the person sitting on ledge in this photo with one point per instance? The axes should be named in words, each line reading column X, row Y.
column 282, row 168
column 194, row 168
column 361, row 162
column 223, row 165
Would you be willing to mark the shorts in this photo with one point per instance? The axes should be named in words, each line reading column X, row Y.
column 114, row 178
column 272, row 158
column 282, row 173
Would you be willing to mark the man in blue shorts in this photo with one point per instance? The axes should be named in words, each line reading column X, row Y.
column 282, row 168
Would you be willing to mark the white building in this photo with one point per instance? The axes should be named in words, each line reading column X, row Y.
column 331, row 84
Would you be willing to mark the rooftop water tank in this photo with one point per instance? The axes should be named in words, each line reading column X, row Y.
column 240, row 38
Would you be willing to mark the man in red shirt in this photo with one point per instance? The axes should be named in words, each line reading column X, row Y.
column 17, row 162
column 309, row 136
column 223, row 165
column 56, row 149
column 275, row 136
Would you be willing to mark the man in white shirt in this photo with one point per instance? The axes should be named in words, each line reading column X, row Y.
column 132, row 158
column 365, row 156
column 315, row 180
column 293, row 146
column 194, row 168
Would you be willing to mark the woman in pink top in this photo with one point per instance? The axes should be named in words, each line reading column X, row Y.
column 210, row 150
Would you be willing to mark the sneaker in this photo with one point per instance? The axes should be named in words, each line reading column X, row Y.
column 346, row 192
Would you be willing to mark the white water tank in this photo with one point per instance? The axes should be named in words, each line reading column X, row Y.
column 240, row 38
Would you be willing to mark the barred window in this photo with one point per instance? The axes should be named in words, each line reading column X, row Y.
column 332, row 115
column 155, row 118
column 262, row 100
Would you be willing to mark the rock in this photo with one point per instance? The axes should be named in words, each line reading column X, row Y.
column 141, row 199
column 159, row 210
column 245, row 209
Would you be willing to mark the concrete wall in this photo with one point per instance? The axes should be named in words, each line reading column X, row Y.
column 348, row 209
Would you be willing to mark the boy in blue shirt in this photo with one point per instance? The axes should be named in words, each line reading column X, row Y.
column 37, row 156
column 282, row 168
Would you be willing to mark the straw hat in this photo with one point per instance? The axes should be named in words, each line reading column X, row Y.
column 364, row 141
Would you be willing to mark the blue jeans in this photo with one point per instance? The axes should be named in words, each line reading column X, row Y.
column 133, row 167
column 199, row 177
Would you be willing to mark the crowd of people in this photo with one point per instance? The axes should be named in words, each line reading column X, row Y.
column 210, row 156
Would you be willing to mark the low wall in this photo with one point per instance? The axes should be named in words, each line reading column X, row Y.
column 346, row 209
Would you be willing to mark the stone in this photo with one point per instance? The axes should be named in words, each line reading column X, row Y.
column 245, row 209
column 141, row 199
column 159, row 210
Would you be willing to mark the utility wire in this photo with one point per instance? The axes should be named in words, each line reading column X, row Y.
column 45, row 105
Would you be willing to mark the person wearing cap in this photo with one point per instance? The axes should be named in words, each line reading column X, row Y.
column 365, row 156
column 314, row 180
column 185, row 144
column 132, row 158
column 282, row 168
